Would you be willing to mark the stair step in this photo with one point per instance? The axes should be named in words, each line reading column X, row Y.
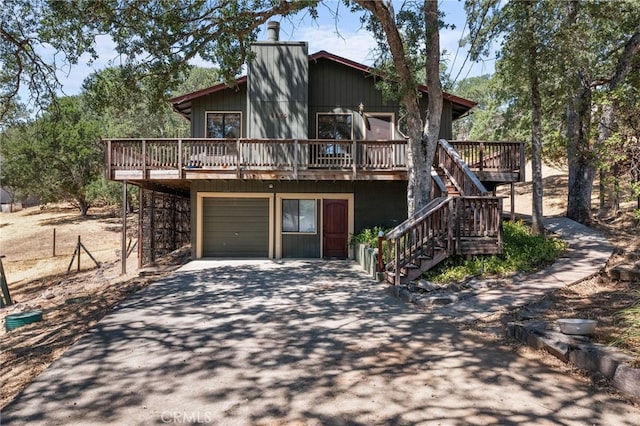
column 425, row 257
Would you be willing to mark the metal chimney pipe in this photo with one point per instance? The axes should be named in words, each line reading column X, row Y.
column 273, row 31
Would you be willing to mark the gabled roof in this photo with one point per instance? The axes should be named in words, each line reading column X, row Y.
column 182, row 104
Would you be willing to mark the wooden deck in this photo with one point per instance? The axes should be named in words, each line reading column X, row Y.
column 173, row 160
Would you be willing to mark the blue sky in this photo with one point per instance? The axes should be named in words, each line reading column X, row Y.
column 343, row 36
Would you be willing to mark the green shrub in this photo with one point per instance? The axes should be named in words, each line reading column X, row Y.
column 523, row 252
column 367, row 236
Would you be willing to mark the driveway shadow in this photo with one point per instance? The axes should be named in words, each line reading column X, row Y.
column 300, row 342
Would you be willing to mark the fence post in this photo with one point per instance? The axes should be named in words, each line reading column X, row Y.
column 54, row 242
column 79, row 253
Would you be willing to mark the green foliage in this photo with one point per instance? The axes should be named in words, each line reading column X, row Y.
column 125, row 107
column 523, row 252
column 156, row 39
column 104, row 192
column 488, row 120
column 578, row 50
column 367, row 236
column 55, row 157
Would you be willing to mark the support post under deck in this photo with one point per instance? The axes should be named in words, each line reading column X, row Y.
column 123, row 250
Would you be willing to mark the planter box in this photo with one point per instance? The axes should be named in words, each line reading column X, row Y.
column 367, row 257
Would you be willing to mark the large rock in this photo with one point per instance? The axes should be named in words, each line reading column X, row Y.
column 627, row 379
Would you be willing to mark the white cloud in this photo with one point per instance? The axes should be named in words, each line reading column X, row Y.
column 354, row 45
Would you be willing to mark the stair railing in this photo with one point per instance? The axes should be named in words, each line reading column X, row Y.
column 458, row 171
column 438, row 188
column 428, row 231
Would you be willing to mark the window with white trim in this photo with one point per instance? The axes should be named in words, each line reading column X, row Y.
column 222, row 125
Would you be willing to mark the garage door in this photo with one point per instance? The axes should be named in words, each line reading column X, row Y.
column 235, row 227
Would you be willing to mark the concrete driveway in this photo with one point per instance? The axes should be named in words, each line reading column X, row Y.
column 299, row 342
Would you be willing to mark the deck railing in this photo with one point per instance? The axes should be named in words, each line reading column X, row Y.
column 240, row 155
column 429, row 231
column 253, row 154
column 482, row 156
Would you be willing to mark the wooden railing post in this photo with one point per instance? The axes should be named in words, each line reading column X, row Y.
column 296, row 155
column 238, row 158
column 380, row 252
column 353, row 158
column 144, row 158
column 179, row 158
column 522, row 163
column 396, row 262
column 107, row 168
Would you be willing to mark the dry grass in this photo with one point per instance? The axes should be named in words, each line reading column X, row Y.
column 71, row 303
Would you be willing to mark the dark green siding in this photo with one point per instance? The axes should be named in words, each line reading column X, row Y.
column 446, row 129
column 303, row 246
column 235, row 227
column 379, row 203
column 226, row 100
column 376, row 203
column 300, row 246
column 337, row 88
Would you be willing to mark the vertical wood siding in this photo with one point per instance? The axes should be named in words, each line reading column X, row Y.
column 335, row 87
column 379, row 204
column 231, row 99
column 278, row 82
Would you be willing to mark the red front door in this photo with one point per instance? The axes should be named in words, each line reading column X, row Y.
column 335, row 230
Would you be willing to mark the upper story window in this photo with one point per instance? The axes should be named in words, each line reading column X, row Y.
column 222, row 125
column 335, row 126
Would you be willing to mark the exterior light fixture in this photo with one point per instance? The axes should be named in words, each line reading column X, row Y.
column 361, row 108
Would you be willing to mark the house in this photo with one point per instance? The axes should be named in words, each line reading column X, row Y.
column 302, row 153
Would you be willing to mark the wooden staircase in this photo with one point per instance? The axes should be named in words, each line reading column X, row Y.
column 461, row 218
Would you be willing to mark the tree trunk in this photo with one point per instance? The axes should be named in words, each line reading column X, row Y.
column 615, row 203
column 537, row 217
column 580, row 156
column 83, row 206
column 434, row 88
column 421, row 146
column 601, row 191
